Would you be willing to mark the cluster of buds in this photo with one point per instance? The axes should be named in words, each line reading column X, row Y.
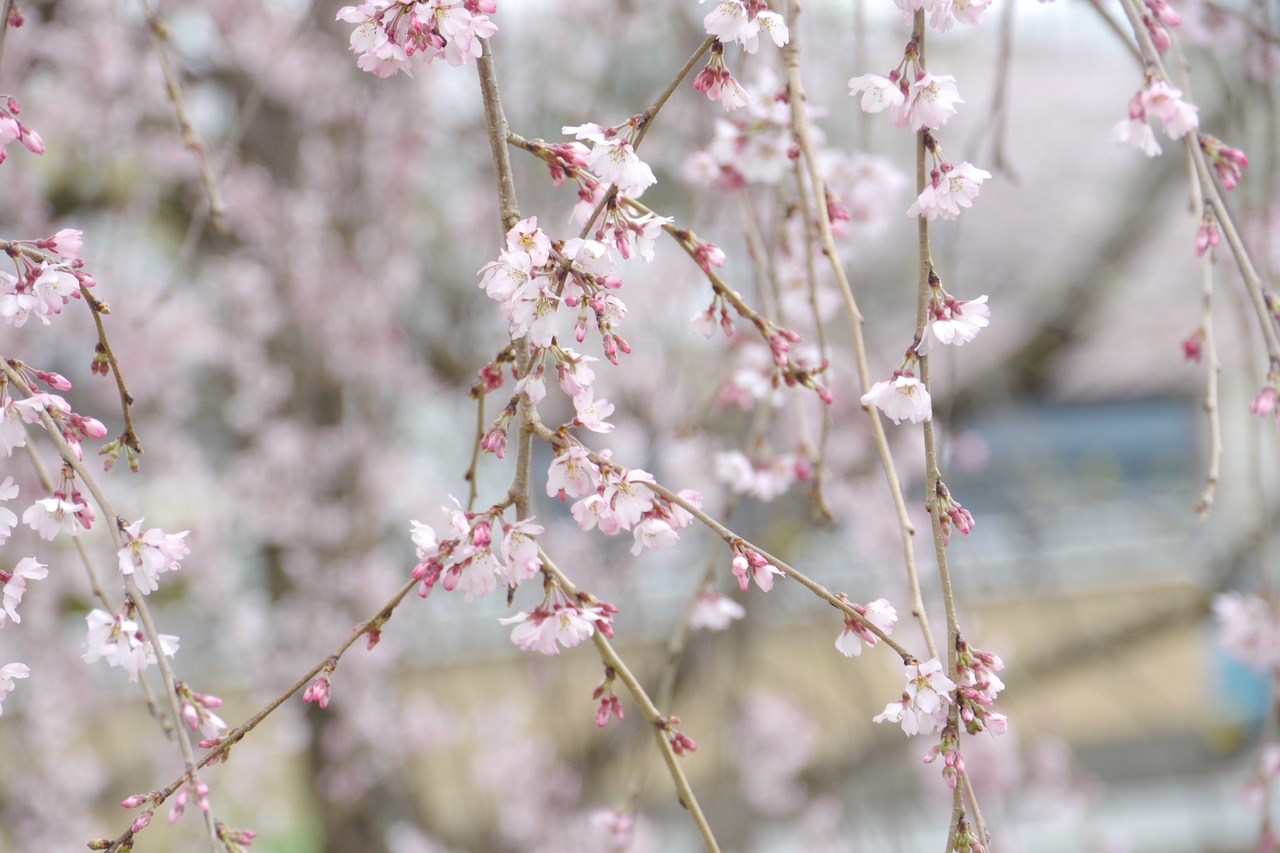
column 1161, row 15
column 681, row 743
column 948, row 747
column 197, row 710
column 951, row 514
column 321, row 688
column 976, row 688
column 1228, row 162
column 610, row 705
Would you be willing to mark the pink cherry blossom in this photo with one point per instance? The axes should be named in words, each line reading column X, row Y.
column 880, row 93
column 614, row 160
column 901, row 397
column 714, row 612
column 15, row 584
column 923, row 706
column 8, row 520
column 147, row 555
column 8, row 673
column 931, row 100
column 879, row 613
column 520, row 551
column 955, row 322
column 49, row 516
column 572, row 474
column 120, row 642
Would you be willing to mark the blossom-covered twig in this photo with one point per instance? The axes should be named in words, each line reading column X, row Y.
column 133, row 594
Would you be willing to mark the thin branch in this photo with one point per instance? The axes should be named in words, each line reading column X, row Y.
column 657, row 722
column 160, row 36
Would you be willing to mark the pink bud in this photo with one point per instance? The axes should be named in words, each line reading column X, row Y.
column 141, row 821
column 134, row 801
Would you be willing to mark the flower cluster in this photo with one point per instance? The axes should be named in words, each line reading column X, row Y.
column 717, row 82
column 953, row 322
column 977, row 686
column 879, row 613
column 536, row 283
column 560, row 621
column 943, row 14
column 401, row 35
column 924, row 703
column 743, row 21
column 614, row 499
column 923, row 104
column 14, row 413
column 467, row 559
column 120, row 642
column 50, row 273
column 1165, row 102
column 613, row 157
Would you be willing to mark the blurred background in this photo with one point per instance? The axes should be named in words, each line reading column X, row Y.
column 301, row 395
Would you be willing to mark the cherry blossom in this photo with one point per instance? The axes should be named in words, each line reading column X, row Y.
column 954, row 322
column 572, row 474
column 197, row 711
column 718, row 83
column 400, row 35
column 749, row 564
column 901, row 397
column 1178, row 116
column 879, row 613
column 923, row 706
column 714, row 612
column 8, row 673
column 520, row 551
column 49, row 516
column 614, row 159
column 880, row 93
column 120, row 642
column 556, row 622
column 147, row 555
column 15, row 584
column 930, row 101
column 951, row 189
column 8, row 520
column 742, row 21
